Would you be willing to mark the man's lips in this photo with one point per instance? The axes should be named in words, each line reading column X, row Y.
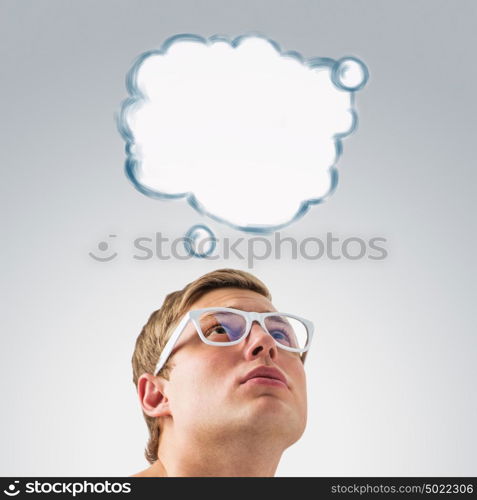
column 265, row 375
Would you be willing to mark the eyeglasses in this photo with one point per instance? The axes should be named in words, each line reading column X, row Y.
column 224, row 326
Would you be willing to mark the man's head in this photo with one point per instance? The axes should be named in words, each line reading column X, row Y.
column 200, row 389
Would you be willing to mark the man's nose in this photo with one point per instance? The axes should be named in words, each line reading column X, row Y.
column 260, row 343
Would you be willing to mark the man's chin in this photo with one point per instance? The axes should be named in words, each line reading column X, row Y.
column 270, row 408
column 269, row 415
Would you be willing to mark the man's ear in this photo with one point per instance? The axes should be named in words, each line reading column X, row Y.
column 153, row 401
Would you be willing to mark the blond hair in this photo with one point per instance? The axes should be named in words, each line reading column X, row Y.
column 159, row 326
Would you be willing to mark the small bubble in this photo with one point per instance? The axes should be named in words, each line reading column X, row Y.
column 200, row 241
column 103, row 246
column 349, row 74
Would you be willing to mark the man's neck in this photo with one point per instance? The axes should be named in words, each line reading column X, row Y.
column 239, row 456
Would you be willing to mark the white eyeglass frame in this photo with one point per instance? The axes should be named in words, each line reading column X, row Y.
column 249, row 317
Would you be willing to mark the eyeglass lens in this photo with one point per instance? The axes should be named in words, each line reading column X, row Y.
column 226, row 326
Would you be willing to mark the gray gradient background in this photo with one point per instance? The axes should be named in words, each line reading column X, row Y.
column 392, row 373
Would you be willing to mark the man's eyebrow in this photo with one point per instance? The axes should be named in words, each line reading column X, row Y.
column 234, row 306
column 279, row 319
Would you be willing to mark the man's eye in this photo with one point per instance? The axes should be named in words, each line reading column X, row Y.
column 280, row 336
column 219, row 329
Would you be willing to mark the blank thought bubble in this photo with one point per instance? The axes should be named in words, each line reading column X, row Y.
column 248, row 134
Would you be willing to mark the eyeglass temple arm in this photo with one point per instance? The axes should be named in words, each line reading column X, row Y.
column 171, row 343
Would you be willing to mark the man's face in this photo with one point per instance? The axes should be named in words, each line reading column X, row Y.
column 206, row 392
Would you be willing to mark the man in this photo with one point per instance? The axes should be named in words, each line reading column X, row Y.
column 220, row 379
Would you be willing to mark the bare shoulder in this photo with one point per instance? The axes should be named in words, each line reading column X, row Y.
column 143, row 473
column 139, row 474
column 153, row 471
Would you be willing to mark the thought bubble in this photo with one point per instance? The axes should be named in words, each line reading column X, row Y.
column 248, row 134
